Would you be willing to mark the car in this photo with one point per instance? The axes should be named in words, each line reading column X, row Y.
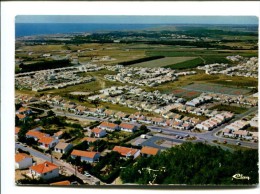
column 187, row 135
column 87, row 174
column 238, row 143
column 159, row 131
column 224, row 142
column 181, row 137
column 74, row 183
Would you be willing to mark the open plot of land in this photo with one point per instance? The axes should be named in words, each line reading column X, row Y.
column 215, row 89
column 234, row 109
column 185, row 93
column 163, row 62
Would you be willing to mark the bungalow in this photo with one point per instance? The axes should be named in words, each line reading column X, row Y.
column 58, row 135
column 120, row 115
column 241, row 133
column 21, row 117
column 17, row 129
column 149, row 151
column 62, row 147
column 36, row 135
column 109, row 113
column 128, row 127
column 132, row 118
column 226, row 132
column 186, row 126
column 24, row 111
column 158, row 121
column 48, row 142
column 89, row 139
column 23, row 161
column 86, row 156
column 46, row 170
column 98, row 132
column 108, row 126
column 127, row 152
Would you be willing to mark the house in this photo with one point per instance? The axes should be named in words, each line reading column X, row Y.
column 63, row 148
column 98, row 132
column 127, row 152
column 48, row 142
column 24, row 111
column 158, row 121
column 149, row 151
column 36, row 134
column 89, row 139
column 21, row 117
column 226, row 132
column 108, row 126
column 46, row 170
column 23, row 161
column 17, row 129
column 128, row 127
column 85, row 155
column 241, row 133
column 58, row 135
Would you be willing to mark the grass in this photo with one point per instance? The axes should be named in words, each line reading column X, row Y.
column 162, row 62
column 187, row 64
column 117, row 107
column 234, row 109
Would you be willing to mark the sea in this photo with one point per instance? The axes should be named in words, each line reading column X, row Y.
column 30, row 29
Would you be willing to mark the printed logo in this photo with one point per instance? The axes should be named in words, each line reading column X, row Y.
column 240, row 176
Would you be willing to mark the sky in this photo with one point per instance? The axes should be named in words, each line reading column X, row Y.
column 137, row 19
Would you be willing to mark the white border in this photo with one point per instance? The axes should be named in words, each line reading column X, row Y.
column 8, row 12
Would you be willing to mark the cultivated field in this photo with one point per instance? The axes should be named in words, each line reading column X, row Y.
column 163, row 62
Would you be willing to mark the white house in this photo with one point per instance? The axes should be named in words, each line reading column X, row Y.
column 85, row 155
column 127, row 152
column 98, row 132
column 128, row 127
column 23, row 161
column 62, row 147
column 48, row 142
column 46, row 170
column 108, row 126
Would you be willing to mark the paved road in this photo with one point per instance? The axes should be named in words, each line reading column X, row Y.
column 68, row 167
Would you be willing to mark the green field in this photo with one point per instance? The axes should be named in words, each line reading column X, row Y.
column 163, row 62
column 187, row 64
column 234, row 109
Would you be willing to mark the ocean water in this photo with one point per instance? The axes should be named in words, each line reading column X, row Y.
column 28, row 29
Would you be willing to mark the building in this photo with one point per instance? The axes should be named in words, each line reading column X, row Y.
column 58, row 135
column 98, row 132
column 23, row 161
column 86, row 156
column 63, row 148
column 46, row 170
column 17, row 129
column 128, row 127
column 36, row 134
column 127, row 152
column 48, row 142
column 149, row 151
column 108, row 126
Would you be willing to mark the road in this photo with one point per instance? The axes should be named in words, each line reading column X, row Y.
column 68, row 167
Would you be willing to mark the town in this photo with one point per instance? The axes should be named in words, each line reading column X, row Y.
column 87, row 113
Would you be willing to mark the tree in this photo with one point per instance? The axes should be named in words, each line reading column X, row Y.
column 50, row 113
column 22, row 134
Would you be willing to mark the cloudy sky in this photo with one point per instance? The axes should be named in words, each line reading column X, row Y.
column 137, row 19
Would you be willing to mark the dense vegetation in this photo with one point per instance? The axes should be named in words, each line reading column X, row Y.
column 194, row 164
column 44, row 65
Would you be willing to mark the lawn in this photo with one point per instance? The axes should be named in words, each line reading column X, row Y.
column 234, row 109
column 163, row 62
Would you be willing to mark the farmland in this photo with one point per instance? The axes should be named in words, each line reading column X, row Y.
column 163, row 62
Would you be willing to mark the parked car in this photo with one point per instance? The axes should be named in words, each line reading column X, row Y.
column 87, row 174
column 238, row 143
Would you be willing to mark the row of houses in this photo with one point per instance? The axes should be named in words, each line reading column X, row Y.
column 215, row 121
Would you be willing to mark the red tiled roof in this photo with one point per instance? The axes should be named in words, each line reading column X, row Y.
column 36, row 134
column 126, row 126
column 22, row 109
column 61, row 183
column 17, row 129
column 108, row 125
column 21, row 156
column 89, row 139
column 96, row 130
column 83, row 153
column 149, row 150
column 46, row 140
column 20, row 116
column 124, row 151
column 44, row 167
